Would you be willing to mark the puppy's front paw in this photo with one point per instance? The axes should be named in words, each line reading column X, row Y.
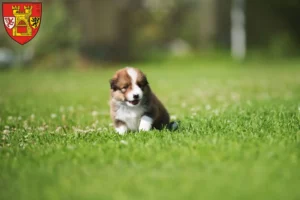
column 121, row 129
column 146, row 123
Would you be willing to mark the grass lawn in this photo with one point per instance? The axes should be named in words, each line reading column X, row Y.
column 239, row 136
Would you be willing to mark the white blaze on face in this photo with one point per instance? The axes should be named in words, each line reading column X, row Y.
column 135, row 90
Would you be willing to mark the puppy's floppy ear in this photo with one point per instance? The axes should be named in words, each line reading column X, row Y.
column 113, row 83
column 145, row 81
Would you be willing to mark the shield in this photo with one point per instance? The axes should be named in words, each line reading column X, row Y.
column 22, row 20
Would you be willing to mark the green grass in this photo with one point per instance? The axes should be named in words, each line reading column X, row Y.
column 239, row 136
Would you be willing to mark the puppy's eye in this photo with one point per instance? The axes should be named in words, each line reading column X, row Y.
column 124, row 88
column 140, row 85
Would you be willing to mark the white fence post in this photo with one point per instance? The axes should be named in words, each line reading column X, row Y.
column 238, row 30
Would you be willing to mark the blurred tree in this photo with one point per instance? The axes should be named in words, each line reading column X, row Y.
column 274, row 19
column 58, row 34
column 107, row 28
column 208, row 23
column 114, row 30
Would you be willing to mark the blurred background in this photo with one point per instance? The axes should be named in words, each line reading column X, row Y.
column 85, row 32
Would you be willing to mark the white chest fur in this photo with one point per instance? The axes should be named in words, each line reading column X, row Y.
column 130, row 115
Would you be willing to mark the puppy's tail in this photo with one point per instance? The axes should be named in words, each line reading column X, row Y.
column 173, row 126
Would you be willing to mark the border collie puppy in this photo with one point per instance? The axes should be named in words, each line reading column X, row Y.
column 133, row 106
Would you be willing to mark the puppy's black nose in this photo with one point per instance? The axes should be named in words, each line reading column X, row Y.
column 135, row 96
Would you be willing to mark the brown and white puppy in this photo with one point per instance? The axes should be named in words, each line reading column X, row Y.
column 133, row 106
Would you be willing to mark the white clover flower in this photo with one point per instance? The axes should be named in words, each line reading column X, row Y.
column 221, row 98
column 95, row 113
column 77, row 130
column 124, row 142
column 32, row 116
column 89, row 130
column 41, row 128
column 25, row 124
column 61, row 109
column 94, row 125
column 71, row 108
column 235, row 96
column 53, row 115
column 9, row 118
column 173, row 117
column 6, row 131
column 58, row 129
column 80, row 108
column 249, row 102
column 216, row 112
column 207, row 107
column 71, row 147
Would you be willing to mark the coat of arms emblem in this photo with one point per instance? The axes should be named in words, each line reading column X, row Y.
column 22, row 20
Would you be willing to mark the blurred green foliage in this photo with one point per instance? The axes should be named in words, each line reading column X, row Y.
column 58, row 30
column 142, row 29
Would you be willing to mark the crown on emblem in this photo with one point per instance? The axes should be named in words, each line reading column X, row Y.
column 27, row 8
column 16, row 7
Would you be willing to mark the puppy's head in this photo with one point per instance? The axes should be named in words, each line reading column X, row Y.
column 129, row 86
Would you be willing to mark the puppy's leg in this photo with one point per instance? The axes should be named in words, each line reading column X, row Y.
column 120, row 127
column 146, row 123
